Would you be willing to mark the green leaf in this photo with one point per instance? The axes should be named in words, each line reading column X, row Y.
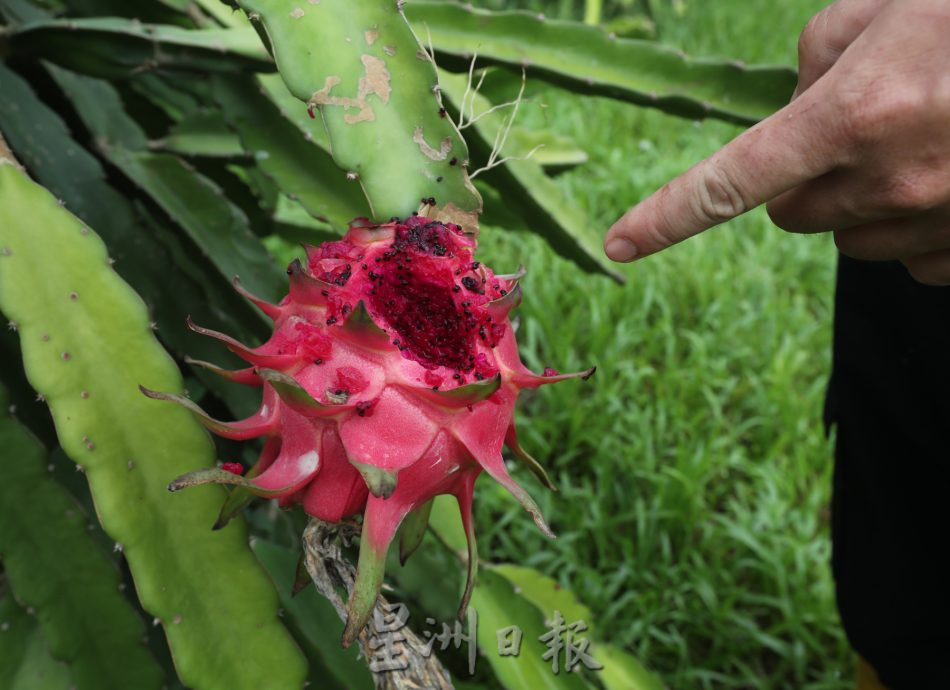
column 25, row 661
column 202, row 132
column 163, row 91
column 547, row 594
column 623, row 672
column 147, row 253
column 215, row 224
column 587, row 59
column 87, row 347
column 446, row 522
column 111, row 47
column 303, row 171
column 525, row 189
column 56, row 568
column 499, row 606
column 218, row 227
column 509, row 594
column 315, row 625
column 359, row 64
column 551, row 151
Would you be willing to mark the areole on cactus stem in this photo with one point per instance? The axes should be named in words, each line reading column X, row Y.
column 390, row 378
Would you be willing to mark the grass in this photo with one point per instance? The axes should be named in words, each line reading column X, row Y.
column 694, row 470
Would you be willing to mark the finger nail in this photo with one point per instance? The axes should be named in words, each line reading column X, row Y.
column 620, row 249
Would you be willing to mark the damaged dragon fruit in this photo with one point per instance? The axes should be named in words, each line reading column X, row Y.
column 391, row 378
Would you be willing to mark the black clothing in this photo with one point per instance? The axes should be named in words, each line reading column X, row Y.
column 889, row 398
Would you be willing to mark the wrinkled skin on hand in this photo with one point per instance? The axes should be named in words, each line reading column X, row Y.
column 863, row 149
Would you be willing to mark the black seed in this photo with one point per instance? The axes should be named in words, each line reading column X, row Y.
column 331, row 321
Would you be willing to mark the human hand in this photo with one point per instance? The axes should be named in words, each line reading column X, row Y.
column 863, row 149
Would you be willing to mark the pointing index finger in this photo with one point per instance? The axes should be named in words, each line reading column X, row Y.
column 790, row 147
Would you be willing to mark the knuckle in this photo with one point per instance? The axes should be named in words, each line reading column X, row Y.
column 906, row 193
column 851, row 244
column 718, row 197
column 782, row 215
column 869, row 115
column 809, row 36
column 929, row 269
column 661, row 232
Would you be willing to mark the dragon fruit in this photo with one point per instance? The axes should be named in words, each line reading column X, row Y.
column 391, row 378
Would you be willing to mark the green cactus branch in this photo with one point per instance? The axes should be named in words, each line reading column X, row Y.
column 216, row 225
column 587, row 59
column 25, row 659
column 87, row 346
column 57, row 569
column 359, row 64
column 110, row 47
column 202, row 132
column 147, row 253
column 302, row 169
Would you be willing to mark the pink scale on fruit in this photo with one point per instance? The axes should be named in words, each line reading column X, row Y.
column 351, row 380
column 430, row 378
column 312, row 342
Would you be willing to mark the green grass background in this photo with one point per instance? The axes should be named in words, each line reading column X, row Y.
column 694, row 471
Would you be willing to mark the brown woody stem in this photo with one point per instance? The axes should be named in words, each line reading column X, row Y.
column 331, row 572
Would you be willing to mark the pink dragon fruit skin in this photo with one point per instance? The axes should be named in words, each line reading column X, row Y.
column 390, row 378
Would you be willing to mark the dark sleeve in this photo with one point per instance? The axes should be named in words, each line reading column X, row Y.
column 889, row 400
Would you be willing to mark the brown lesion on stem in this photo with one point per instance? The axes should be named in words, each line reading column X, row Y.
column 374, row 82
column 440, row 154
column 450, row 213
column 332, row 573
